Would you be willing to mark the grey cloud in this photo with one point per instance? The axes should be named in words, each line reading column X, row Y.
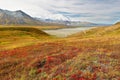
column 89, row 10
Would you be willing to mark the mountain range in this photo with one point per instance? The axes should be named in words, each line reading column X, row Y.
column 16, row 17
column 21, row 18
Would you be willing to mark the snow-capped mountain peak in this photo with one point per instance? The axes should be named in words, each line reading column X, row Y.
column 58, row 17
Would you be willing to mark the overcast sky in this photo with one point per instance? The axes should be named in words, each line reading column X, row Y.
column 98, row 11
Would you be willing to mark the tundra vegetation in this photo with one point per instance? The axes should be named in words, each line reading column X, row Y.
column 30, row 54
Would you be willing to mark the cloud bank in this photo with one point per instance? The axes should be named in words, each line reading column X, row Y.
column 99, row 11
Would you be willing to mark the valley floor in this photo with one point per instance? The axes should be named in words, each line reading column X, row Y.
column 73, row 58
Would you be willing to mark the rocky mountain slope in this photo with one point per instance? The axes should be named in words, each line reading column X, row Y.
column 16, row 17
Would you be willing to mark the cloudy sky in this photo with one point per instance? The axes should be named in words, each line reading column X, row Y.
column 98, row 11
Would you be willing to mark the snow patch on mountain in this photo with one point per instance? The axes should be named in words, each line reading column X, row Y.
column 59, row 17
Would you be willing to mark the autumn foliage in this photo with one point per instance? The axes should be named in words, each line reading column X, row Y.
column 90, row 58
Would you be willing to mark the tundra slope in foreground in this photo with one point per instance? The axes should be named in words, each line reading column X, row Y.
column 94, row 55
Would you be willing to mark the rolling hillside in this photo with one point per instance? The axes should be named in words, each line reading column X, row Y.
column 118, row 23
column 90, row 55
column 16, row 36
column 113, row 30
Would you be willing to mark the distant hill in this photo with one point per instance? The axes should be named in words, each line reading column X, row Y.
column 86, row 24
column 113, row 30
column 118, row 23
column 12, row 37
column 16, row 17
column 30, row 30
column 71, row 23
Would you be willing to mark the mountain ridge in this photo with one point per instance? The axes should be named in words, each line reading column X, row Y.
column 16, row 17
column 19, row 17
